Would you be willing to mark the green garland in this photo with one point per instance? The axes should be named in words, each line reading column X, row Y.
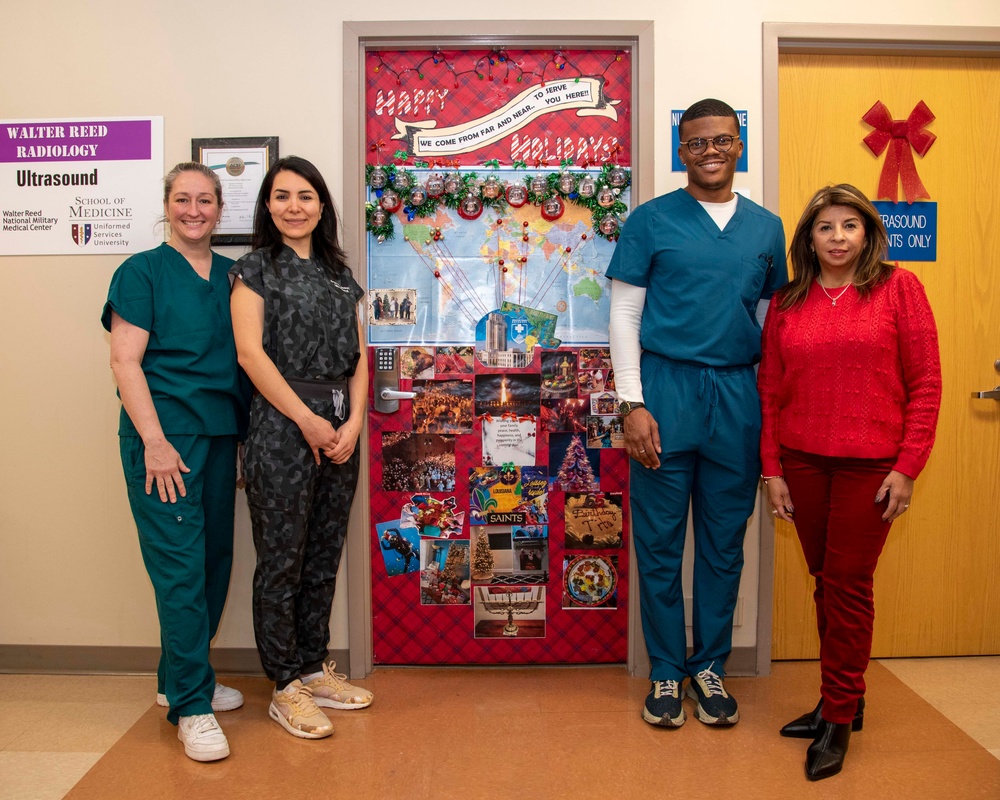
column 471, row 184
column 453, row 201
column 380, row 232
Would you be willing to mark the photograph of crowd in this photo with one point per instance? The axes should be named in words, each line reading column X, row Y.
column 442, row 406
column 418, row 462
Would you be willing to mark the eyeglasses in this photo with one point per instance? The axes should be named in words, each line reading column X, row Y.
column 722, row 144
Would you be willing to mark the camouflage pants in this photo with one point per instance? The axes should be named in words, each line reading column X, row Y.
column 298, row 512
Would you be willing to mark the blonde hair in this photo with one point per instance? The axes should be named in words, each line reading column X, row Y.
column 191, row 166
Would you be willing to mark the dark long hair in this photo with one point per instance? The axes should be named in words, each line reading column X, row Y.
column 326, row 247
column 872, row 269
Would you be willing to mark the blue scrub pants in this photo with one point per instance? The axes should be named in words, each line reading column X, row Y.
column 187, row 547
column 709, row 421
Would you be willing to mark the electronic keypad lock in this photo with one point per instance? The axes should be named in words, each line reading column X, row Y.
column 387, row 394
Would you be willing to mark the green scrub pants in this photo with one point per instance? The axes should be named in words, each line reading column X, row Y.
column 709, row 423
column 187, row 547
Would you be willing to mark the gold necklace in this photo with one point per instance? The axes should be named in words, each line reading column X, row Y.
column 833, row 300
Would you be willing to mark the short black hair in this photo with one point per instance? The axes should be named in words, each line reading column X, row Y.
column 709, row 107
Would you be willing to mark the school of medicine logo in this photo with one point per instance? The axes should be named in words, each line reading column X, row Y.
column 81, row 232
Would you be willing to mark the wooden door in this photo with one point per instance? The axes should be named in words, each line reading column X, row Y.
column 937, row 588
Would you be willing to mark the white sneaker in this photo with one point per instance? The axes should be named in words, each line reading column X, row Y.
column 203, row 738
column 225, row 698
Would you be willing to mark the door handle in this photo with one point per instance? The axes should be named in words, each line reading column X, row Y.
column 991, row 395
column 393, row 394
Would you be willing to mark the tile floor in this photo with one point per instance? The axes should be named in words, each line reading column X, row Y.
column 931, row 731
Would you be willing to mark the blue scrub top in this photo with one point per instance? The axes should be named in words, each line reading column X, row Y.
column 190, row 360
column 703, row 284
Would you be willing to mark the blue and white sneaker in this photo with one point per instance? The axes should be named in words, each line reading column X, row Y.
column 715, row 705
column 663, row 705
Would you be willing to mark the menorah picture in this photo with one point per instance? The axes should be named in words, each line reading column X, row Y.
column 525, row 603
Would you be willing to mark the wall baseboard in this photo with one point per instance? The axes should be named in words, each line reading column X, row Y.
column 85, row 660
column 742, row 663
column 63, row 659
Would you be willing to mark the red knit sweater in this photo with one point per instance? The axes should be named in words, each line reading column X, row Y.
column 861, row 379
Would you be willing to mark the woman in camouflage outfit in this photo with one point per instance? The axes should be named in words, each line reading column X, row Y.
column 298, row 336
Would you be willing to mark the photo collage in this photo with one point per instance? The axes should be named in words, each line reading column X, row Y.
column 498, row 502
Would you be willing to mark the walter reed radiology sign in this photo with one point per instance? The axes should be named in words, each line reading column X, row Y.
column 80, row 186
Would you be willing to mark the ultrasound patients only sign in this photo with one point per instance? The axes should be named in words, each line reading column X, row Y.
column 80, row 186
column 912, row 230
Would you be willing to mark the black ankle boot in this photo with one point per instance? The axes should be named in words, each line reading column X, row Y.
column 825, row 756
column 808, row 725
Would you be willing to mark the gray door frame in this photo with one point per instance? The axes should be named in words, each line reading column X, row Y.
column 359, row 37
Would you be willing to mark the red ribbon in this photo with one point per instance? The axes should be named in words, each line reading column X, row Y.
column 903, row 134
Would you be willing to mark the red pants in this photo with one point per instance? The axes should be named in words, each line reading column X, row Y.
column 842, row 534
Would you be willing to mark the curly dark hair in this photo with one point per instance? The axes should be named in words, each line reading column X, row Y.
column 707, row 108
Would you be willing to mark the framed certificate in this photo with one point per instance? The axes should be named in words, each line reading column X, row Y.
column 241, row 164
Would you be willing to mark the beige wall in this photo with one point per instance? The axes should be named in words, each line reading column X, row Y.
column 70, row 571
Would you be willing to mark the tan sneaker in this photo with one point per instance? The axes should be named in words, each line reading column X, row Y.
column 331, row 690
column 294, row 709
column 202, row 737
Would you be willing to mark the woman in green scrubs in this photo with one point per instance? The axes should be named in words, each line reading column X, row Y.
column 173, row 356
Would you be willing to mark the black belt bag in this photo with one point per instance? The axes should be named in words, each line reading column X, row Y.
column 335, row 390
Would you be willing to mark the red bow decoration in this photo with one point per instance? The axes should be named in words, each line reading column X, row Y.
column 903, row 134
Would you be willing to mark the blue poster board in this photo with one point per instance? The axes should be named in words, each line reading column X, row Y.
column 912, row 230
column 675, row 138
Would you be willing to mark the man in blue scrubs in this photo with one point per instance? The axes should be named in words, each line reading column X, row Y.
column 688, row 275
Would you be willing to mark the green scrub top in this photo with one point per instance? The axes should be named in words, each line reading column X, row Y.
column 703, row 284
column 190, row 360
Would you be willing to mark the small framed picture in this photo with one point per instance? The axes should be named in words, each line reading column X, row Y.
column 241, row 164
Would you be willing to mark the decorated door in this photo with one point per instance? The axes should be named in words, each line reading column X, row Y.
column 497, row 182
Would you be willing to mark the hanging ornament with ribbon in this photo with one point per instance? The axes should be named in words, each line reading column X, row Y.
column 902, row 135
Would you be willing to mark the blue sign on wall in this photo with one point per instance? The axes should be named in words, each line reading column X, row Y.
column 912, row 230
column 675, row 138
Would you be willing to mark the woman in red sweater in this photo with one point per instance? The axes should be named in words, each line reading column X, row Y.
column 850, row 384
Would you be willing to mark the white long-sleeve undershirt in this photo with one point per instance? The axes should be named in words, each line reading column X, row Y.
column 627, row 302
